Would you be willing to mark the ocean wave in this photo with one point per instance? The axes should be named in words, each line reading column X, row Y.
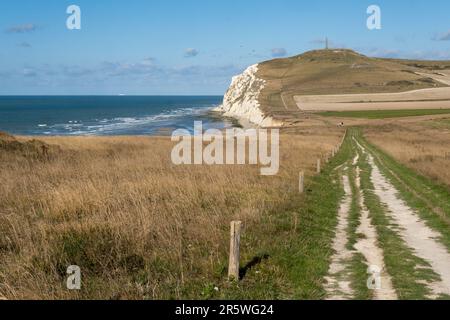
column 128, row 125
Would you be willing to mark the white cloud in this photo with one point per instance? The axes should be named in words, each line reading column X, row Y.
column 23, row 28
column 399, row 54
column 443, row 37
column 278, row 52
column 190, row 53
column 24, row 45
column 28, row 72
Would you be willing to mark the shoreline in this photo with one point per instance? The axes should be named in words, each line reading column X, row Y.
column 103, row 116
column 211, row 114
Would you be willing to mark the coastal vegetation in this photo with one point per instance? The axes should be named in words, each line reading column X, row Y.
column 140, row 227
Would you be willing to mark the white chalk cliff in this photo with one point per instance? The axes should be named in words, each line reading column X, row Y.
column 241, row 99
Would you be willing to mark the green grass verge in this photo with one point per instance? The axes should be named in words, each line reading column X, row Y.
column 357, row 264
column 384, row 114
column 297, row 241
column 355, row 209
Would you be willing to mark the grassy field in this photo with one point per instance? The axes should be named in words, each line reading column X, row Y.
column 142, row 228
column 325, row 72
column 421, row 145
column 384, row 114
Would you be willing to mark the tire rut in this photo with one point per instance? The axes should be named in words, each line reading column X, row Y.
column 412, row 229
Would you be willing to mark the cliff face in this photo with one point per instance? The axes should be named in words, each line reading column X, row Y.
column 241, row 99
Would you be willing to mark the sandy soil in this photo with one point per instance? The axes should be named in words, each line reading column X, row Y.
column 414, row 231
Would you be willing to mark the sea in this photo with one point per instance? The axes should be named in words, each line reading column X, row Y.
column 107, row 115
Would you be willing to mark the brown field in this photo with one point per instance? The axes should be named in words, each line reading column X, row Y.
column 421, row 145
column 415, row 95
column 369, row 106
column 438, row 98
column 140, row 227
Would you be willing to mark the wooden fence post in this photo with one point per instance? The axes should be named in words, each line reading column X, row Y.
column 235, row 239
column 318, row 166
column 301, row 182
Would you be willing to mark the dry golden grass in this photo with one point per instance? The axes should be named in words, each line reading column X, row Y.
column 138, row 226
column 422, row 146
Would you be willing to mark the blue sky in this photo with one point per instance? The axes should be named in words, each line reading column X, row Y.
column 192, row 47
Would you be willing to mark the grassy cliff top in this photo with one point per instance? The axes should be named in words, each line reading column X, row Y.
column 339, row 71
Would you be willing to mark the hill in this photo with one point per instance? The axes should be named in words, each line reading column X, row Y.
column 340, row 71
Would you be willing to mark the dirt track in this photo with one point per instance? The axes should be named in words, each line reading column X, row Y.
column 339, row 282
column 420, row 238
column 414, row 231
